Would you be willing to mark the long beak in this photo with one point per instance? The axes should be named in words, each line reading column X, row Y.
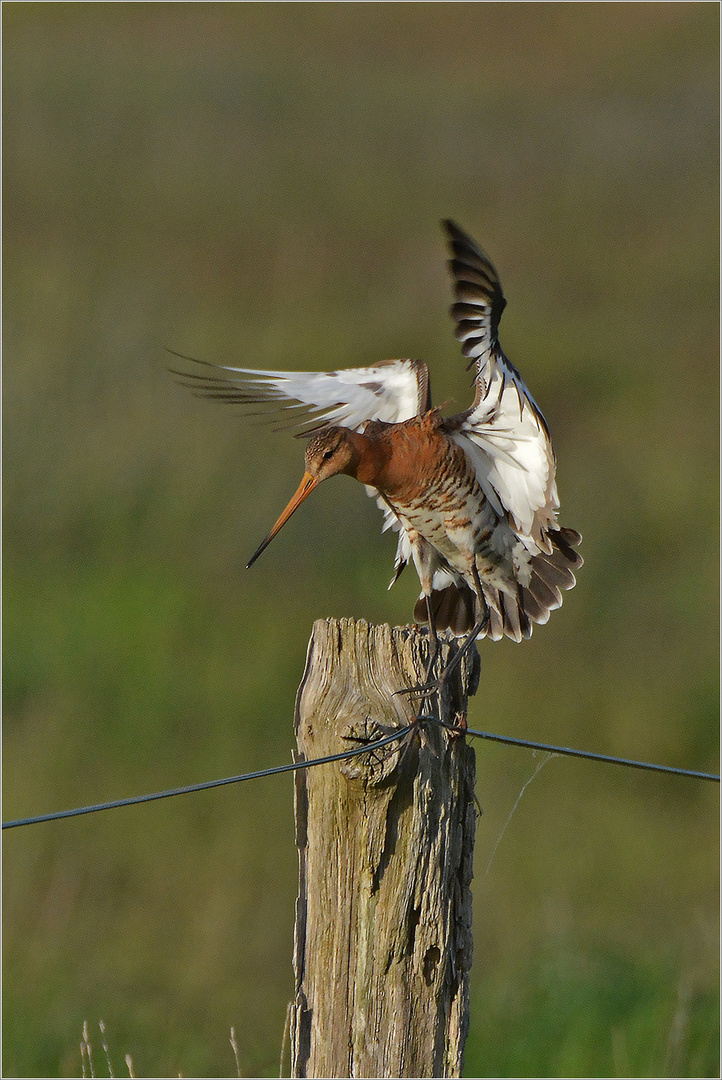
column 304, row 490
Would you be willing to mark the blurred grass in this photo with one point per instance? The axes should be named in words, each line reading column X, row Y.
column 261, row 184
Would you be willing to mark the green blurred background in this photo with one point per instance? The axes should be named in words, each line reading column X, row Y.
column 261, row 184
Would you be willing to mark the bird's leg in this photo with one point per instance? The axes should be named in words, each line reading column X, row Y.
column 424, row 560
column 428, row 686
column 477, row 629
column 436, row 685
column 434, row 638
column 456, row 660
column 434, row 647
column 474, row 632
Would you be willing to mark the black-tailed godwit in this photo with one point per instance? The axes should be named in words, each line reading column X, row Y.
column 473, row 496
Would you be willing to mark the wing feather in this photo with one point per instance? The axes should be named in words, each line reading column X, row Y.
column 504, row 432
column 391, row 391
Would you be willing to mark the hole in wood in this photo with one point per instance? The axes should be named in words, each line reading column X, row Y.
column 431, row 960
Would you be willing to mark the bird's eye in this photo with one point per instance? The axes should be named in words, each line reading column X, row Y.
column 327, row 455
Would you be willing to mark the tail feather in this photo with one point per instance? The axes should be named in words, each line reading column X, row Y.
column 545, row 594
column 557, row 577
column 455, row 608
column 495, row 621
column 565, row 540
column 537, row 612
column 517, row 624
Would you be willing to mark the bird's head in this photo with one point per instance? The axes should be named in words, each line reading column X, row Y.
column 331, row 451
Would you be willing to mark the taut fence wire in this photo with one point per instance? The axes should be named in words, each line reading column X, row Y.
column 365, row 748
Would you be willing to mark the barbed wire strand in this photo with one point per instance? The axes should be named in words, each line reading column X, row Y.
column 364, row 749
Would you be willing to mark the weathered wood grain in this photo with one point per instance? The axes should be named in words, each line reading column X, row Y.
column 383, row 922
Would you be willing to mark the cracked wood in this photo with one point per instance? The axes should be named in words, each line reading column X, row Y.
column 383, row 942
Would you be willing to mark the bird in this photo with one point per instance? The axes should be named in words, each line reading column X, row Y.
column 472, row 496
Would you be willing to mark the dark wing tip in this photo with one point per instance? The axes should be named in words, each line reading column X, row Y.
column 461, row 241
column 453, row 229
column 479, row 297
column 464, row 246
column 191, row 359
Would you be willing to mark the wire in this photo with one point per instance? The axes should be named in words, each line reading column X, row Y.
column 135, row 799
column 365, row 749
column 586, row 754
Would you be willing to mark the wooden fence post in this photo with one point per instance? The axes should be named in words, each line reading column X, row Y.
column 383, row 941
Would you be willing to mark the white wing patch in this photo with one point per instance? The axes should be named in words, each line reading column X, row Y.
column 504, row 433
column 391, row 391
column 506, row 439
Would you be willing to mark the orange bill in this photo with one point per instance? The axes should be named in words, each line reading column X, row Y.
column 304, row 490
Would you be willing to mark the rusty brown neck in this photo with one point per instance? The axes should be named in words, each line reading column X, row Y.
column 395, row 457
column 372, row 454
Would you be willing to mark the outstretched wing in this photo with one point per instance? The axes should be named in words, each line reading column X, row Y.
column 503, row 433
column 391, row 391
